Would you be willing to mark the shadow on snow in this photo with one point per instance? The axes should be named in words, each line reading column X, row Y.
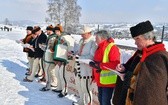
column 33, row 95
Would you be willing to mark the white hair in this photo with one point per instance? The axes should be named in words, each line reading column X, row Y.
column 150, row 35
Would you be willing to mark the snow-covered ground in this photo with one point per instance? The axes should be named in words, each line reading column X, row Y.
column 13, row 64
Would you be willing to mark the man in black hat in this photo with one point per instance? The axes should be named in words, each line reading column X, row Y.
column 146, row 72
column 38, row 53
column 27, row 40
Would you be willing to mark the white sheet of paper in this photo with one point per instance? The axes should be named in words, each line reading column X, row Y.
column 84, row 60
column 26, row 45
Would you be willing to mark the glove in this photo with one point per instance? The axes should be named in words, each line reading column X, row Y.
column 95, row 65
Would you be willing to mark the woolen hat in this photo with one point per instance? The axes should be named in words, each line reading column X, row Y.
column 141, row 28
column 29, row 28
column 58, row 27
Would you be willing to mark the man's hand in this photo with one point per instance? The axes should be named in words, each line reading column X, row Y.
column 95, row 65
column 120, row 68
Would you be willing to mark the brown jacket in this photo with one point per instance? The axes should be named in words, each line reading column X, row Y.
column 149, row 82
column 27, row 39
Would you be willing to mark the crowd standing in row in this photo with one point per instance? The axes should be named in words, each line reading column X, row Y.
column 145, row 74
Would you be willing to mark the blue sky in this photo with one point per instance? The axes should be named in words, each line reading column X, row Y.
column 124, row 10
column 23, row 10
column 93, row 11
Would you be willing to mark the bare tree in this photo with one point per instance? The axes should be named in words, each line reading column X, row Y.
column 6, row 21
column 65, row 12
column 71, row 15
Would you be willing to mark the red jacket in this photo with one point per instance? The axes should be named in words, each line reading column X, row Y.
column 114, row 60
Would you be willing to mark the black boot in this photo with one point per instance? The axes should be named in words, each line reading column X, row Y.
column 44, row 89
column 57, row 91
column 62, row 95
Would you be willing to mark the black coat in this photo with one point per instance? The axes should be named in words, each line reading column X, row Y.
column 41, row 39
column 30, row 52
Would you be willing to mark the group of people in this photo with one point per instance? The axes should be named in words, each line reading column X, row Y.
column 144, row 76
column 40, row 54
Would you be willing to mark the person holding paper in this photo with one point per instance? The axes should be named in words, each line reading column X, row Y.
column 106, row 56
column 83, row 74
column 31, row 53
column 61, row 48
column 38, row 53
column 26, row 40
column 51, row 80
column 146, row 79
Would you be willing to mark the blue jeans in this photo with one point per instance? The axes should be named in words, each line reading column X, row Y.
column 105, row 95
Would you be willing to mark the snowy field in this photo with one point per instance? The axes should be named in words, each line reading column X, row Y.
column 13, row 64
column 13, row 91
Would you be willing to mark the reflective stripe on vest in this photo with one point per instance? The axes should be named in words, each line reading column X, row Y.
column 106, row 76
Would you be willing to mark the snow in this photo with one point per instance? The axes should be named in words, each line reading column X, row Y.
column 13, row 64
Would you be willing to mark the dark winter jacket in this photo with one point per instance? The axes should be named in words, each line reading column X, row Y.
column 30, row 52
column 148, row 84
column 41, row 39
column 122, row 87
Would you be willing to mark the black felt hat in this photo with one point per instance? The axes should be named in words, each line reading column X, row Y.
column 29, row 28
column 141, row 28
